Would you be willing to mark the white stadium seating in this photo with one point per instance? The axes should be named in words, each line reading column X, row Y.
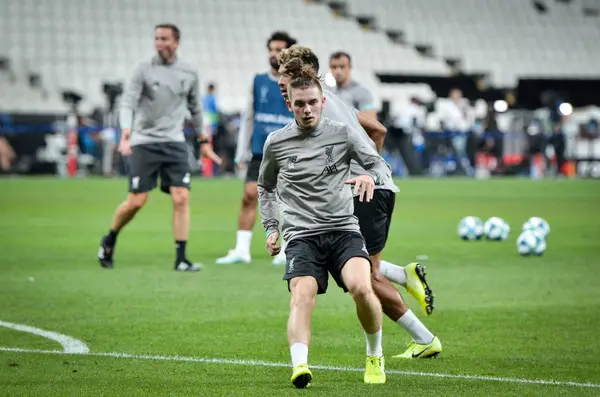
column 78, row 44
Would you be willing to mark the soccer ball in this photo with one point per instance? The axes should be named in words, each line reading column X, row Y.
column 531, row 243
column 496, row 229
column 470, row 228
column 537, row 223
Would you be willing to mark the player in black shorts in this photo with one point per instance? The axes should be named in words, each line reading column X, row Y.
column 159, row 92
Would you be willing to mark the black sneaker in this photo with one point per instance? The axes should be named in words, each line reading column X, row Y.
column 105, row 254
column 187, row 266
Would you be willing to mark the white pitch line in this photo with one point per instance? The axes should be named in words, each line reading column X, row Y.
column 260, row 363
column 69, row 345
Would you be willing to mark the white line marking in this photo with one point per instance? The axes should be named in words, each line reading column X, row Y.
column 259, row 363
column 69, row 345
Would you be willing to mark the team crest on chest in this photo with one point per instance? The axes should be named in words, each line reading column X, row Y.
column 329, row 166
column 291, row 162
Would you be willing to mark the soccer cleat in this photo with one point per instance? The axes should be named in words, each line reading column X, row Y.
column 417, row 286
column 301, row 376
column 416, row 350
column 375, row 370
column 233, row 258
column 105, row 254
column 187, row 266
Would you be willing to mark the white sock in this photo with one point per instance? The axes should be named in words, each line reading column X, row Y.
column 415, row 328
column 374, row 347
column 242, row 244
column 394, row 273
column 299, row 353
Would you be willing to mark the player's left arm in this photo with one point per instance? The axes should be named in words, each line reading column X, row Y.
column 367, row 118
column 376, row 169
column 368, row 158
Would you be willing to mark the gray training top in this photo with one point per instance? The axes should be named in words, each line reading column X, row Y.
column 356, row 95
column 302, row 178
column 338, row 110
column 159, row 93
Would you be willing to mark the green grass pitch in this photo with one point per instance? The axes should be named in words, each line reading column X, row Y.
column 497, row 314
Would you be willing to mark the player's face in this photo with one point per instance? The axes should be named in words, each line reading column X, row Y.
column 165, row 43
column 275, row 48
column 284, row 80
column 306, row 104
column 340, row 69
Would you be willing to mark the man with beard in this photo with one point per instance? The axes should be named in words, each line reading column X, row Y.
column 266, row 112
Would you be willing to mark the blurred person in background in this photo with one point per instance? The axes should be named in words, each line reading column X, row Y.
column 491, row 140
column 457, row 118
column 160, row 93
column 211, row 116
column 266, row 111
column 355, row 94
column 211, row 109
column 406, row 134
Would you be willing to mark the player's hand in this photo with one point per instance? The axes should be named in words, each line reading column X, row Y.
column 364, row 186
column 272, row 245
column 125, row 146
column 206, row 150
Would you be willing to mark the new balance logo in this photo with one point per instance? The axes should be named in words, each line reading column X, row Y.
column 290, row 268
column 329, row 169
column 135, row 182
column 186, row 178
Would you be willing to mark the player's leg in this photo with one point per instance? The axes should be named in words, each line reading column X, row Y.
column 351, row 269
column 247, row 218
column 143, row 172
column 307, row 277
column 175, row 177
column 375, row 218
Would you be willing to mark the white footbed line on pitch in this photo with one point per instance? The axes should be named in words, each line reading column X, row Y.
column 259, row 363
column 69, row 344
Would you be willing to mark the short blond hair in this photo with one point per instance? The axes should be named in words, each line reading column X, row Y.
column 302, row 52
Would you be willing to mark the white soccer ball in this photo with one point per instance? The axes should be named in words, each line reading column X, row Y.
column 496, row 229
column 470, row 228
column 531, row 243
column 537, row 223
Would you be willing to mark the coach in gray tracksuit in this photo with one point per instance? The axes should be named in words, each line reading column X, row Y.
column 160, row 93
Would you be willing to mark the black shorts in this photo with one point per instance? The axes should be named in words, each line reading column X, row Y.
column 253, row 168
column 375, row 218
column 148, row 161
column 321, row 254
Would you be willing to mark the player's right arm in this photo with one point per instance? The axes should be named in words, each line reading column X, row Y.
column 129, row 103
column 267, row 196
column 246, row 129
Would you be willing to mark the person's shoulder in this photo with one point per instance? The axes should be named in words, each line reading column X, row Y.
column 278, row 136
column 334, row 125
column 186, row 66
column 358, row 87
column 143, row 64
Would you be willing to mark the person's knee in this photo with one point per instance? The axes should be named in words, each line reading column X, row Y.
column 137, row 200
column 250, row 195
column 180, row 197
column 304, row 292
column 361, row 289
